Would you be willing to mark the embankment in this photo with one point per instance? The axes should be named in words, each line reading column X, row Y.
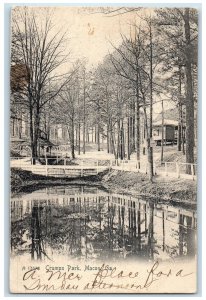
column 176, row 191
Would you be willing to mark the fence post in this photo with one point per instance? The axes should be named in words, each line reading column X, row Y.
column 178, row 170
column 166, row 172
column 166, row 213
column 82, row 168
column 155, row 168
column 65, row 161
column 97, row 166
column 193, row 220
column 32, row 164
column 46, row 166
column 155, row 209
column 192, row 167
column 178, row 217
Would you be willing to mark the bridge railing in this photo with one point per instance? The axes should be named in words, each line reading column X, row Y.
column 45, row 165
column 175, row 169
column 61, row 167
column 178, row 169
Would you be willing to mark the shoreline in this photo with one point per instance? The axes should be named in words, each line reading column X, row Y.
column 178, row 192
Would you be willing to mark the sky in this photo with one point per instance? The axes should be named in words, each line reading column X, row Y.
column 90, row 33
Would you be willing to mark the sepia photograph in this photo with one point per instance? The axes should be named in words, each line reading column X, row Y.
column 103, row 149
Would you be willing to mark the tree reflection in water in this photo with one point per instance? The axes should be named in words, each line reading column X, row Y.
column 150, row 238
column 100, row 226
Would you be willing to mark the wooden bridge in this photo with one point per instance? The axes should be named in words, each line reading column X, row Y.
column 71, row 171
column 64, row 168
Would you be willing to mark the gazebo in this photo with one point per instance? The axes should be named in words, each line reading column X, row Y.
column 45, row 146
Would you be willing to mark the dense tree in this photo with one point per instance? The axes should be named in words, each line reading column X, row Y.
column 40, row 54
column 155, row 62
column 179, row 28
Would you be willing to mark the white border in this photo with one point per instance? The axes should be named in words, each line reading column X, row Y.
column 202, row 115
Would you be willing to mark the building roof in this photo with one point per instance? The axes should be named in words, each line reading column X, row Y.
column 18, row 140
column 170, row 114
column 166, row 122
column 45, row 142
column 42, row 142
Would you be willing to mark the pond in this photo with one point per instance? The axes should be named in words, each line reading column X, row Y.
column 89, row 223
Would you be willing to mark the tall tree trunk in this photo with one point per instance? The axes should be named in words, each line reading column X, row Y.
column 72, row 140
column 128, row 138
column 98, row 137
column 36, row 131
column 132, row 140
column 189, row 94
column 92, row 134
column 118, row 139
column 20, row 127
column 48, row 123
column 31, row 131
column 79, row 138
column 144, row 135
column 71, row 137
column 162, row 140
column 13, row 127
column 98, row 126
column 133, row 126
column 147, row 139
column 84, row 116
column 179, row 137
column 108, row 138
column 87, row 134
column 108, row 124
column 150, row 149
column 182, row 133
column 113, row 142
column 76, row 139
column 95, row 134
column 179, row 133
column 79, row 121
column 122, row 147
column 137, row 125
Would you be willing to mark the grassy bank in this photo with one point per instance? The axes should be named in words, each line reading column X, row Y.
column 26, row 181
column 177, row 191
column 166, row 189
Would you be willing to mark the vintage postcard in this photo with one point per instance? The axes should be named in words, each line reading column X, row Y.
column 103, row 150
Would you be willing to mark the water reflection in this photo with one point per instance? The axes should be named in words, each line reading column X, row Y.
column 88, row 223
